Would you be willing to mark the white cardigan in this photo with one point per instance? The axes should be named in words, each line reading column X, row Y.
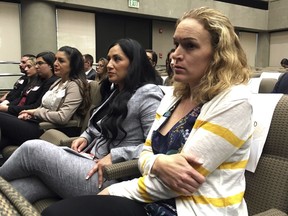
column 221, row 137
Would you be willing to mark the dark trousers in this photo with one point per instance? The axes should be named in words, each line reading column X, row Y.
column 15, row 131
column 96, row 206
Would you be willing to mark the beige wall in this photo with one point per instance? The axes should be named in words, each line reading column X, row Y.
column 278, row 47
column 10, row 45
column 162, row 39
column 171, row 9
column 241, row 17
column 244, row 17
column 278, row 15
column 38, row 26
column 248, row 41
column 76, row 29
column 164, row 14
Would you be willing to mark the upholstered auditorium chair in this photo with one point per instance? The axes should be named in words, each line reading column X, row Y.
column 12, row 203
column 267, row 188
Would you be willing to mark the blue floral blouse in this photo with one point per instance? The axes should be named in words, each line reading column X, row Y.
column 171, row 143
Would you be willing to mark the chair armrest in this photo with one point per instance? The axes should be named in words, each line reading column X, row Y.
column 271, row 212
column 48, row 125
column 57, row 137
column 8, row 150
column 53, row 136
column 122, row 170
column 68, row 141
column 13, row 203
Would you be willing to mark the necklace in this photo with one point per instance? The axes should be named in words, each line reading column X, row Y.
column 184, row 106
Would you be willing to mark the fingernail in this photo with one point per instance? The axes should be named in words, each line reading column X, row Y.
column 87, row 177
column 100, row 186
column 200, row 160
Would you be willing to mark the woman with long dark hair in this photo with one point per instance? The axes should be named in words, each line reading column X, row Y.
column 116, row 132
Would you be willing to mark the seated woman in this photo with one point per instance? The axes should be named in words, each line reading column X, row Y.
column 168, row 81
column 101, row 70
column 38, row 85
column 116, row 132
column 67, row 98
column 209, row 119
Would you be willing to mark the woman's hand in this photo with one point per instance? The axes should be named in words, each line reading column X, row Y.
column 107, row 160
column 79, row 144
column 24, row 116
column 30, row 112
column 177, row 172
column 3, row 108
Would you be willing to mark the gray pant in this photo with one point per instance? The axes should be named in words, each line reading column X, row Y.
column 38, row 169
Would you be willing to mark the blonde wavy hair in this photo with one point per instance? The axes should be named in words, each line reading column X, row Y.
column 32, row 59
column 228, row 63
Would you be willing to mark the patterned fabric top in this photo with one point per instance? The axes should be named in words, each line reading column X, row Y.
column 174, row 140
column 171, row 143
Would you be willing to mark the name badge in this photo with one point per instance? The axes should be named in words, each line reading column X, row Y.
column 35, row 88
column 21, row 81
column 61, row 93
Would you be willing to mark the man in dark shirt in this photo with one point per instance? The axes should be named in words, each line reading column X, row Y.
column 282, row 84
column 153, row 58
column 20, row 84
column 89, row 70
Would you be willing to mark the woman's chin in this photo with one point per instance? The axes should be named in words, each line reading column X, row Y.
column 180, row 79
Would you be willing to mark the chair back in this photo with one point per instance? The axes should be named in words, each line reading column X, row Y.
column 267, row 85
column 95, row 101
column 268, row 187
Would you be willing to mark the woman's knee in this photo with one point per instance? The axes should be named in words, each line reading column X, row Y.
column 28, row 145
column 33, row 147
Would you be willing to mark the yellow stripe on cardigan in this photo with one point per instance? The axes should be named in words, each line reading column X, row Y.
column 234, row 165
column 202, row 170
column 223, row 132
column 158, row 116
column 142, row 190
column 147, row 142
column 226, row 165
column 217, row 202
